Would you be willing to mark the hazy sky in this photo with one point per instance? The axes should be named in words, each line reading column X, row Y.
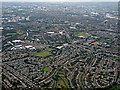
column 59, row 0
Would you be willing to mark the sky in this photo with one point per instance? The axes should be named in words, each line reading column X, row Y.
column 59, row 0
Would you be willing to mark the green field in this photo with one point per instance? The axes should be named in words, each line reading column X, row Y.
column 96, row 37
column 107, row 41
column 46, row 69
column 19, row 32
column 84, row 35
column 11, row 33
column 62, row 81
column 54, row 52
column 117, row 58
column 43, row 54
column 14, row 33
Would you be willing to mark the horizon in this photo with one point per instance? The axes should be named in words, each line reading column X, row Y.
column 60, row 1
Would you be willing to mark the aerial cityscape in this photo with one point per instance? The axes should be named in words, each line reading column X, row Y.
column 63, row 45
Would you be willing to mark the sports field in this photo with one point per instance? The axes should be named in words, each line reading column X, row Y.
column 43, row 54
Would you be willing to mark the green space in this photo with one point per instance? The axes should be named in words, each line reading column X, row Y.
column 16, row 54
column 96, row 37
column 49, row 48
column 107, row 41
column 11, row 33
column 46, row 69
column 19, row 32
column 53, row 85
column 43, row 54
column 61, row 81
column 53, row 52
column 89, row 28
column 84, row 35
column 115, row 87
column 117, row 58
column 14, row 33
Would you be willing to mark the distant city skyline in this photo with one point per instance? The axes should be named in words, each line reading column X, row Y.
column 59, row 0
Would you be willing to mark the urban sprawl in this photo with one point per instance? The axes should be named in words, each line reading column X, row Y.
column 60, row 45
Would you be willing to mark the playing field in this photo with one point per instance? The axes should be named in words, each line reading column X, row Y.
column 43, row 54
column 45, row 69
column 81, row 35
